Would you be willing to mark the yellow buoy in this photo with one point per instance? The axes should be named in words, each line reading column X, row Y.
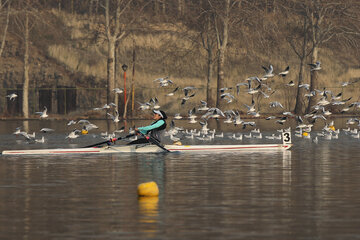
column 148, row 189
column 305, row 134
column 332, row 128
column 84, row 131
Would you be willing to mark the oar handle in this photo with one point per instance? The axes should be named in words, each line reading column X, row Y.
column 153, row 140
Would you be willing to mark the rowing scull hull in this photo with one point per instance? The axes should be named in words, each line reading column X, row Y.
column 152, row 149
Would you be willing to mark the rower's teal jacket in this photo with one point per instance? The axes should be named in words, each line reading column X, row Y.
column 153, row 125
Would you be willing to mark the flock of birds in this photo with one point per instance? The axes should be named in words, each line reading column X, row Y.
column 254, row 86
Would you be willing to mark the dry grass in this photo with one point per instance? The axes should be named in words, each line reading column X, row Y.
column 166, row 53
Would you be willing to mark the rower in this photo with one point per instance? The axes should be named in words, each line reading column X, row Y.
column 156, row 129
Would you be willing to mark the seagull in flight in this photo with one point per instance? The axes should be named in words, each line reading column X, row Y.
column 276, row 104
column 73, row 134
column 228, row 97
column 187, row 97
column 71, row 122
column 305, row 85
column 173, row 92
column 115, row 117
column 43, row 114
column 241, row 84
column 12, row 96
column 164, row 82
column 315, row 66
column 268, row 71
column 144, row 106
column 285, row 72
column 118, row 90
column 204, row 106
column 290, row 84
column 251, row 108
column 155, row 103
column 45, row 130
column 213, row 113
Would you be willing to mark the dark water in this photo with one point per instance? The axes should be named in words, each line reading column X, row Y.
column 309, row 192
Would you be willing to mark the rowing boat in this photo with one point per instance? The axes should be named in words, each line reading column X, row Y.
column 149, row 148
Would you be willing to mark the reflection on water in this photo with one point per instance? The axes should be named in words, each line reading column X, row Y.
column 148, row 215
column 309, row 192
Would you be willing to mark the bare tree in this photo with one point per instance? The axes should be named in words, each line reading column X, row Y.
column 208, row 43
column 25, row 18
column 119, row 19
column 326, row 19
column 202, row 23
column 6, row 24
column 114, row 32
column 223, row 13
column 300, row 44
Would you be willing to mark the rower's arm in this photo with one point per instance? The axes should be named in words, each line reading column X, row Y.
column 144, row 130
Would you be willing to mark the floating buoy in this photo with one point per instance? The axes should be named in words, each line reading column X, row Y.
column 148, row 189
column 305, row 134
column 84, row 131
column 332, row 128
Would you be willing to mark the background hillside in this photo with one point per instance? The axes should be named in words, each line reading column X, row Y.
column 68, row 50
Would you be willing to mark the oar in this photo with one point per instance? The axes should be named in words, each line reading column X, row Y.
column 154, row 141
column 109, row 141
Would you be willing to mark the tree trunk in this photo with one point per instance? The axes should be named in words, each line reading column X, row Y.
column 313, row 79
column 25, row 103
column 209, row 98
column 111, row 71
column 133, row 84
column 208, row 45
column 314, row 21
column 299, row 105
column 181, row 6
column 221, row 76
column 222, row 44
column 5, row 30
column 300, row 92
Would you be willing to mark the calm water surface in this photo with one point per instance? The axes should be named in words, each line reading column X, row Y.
column 309, row 192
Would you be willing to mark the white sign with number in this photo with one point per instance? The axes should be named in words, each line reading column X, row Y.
column 286, row 137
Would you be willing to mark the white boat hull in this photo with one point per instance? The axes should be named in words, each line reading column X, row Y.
column 153, row 149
